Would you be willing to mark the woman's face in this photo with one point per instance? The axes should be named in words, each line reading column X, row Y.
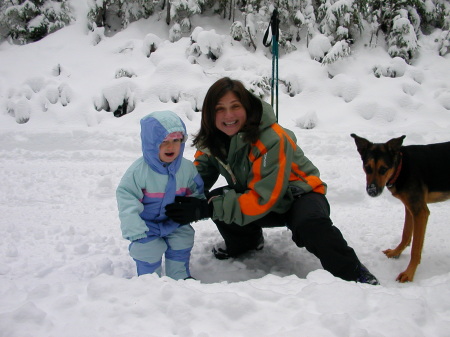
column 230, row 114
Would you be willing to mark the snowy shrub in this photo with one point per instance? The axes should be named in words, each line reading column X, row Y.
column 318, row 47
column 194, row 50
column 25, row 91
column 182, row 10
column 100, row 103
column 175, row 33
column 395, row 68
column 56, row 70
column 340, row 50
column 65, row 94
column 36, row 93
column 19, row 109
column 36, row 83
column 208, row 43
column 293, row 84
column 150, row 44
column 124, row 73
column 307, row 121
column 368, row 110
column 119, row 97
column 289, row 47
column 345, row 87
column 55, row 93
column 237, row 31
column 133, row 10
column 166, row 85
column 185, row 25
column 444, row 43
column 410, row 88
column 97, row 34
column 402, row 40
column 194, row 103
column 52, row 94
column 115, row 15
column 260, row 87
column 299, row 18
column 340, row 19
column 31, row 20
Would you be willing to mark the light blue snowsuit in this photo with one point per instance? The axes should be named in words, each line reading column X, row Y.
column 144, row 191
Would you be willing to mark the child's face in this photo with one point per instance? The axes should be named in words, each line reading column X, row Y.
column 169, row 150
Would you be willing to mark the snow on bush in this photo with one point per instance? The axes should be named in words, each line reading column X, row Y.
column 209, row 43
column 308, row 121
column 97, row 34
column 318, row 47
column 36, row 93
column 65, row 93
column 340, row 50
column 52, row 93
column 444, row 43
column 124, row 72
column 166, row 84
column 345, row 86
column 36, row 83
column 237, row 31
column 118, row 98
column 175, row 33
column 150, row 44
column 396, row 68
column 376, row 111
column 293, row 84
column 402, row 40
column 19, row 109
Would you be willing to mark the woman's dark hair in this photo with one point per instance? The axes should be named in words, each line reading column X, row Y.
column 212, row 138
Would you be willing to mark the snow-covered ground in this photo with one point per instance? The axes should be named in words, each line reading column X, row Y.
column 64, row 268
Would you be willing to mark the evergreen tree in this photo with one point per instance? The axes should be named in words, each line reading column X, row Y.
column 30, row 20
column 182, row 10
column 402, row 39
column 340, row 50
column 399, row 22
column 115, row 15
column 341, row 19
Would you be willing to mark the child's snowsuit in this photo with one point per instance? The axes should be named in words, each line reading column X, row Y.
column 144, row 191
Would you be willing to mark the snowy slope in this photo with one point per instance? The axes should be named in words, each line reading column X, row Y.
column 64, row 268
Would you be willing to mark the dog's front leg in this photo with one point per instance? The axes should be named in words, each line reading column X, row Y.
column 420, row 224
column 406, row 237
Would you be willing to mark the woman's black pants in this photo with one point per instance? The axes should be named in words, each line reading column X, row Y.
column 311, row 226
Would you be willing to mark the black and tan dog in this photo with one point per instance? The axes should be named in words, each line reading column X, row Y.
column 415, row 174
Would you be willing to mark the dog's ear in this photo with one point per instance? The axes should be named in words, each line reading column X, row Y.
column 395, row 143
column 362, row 144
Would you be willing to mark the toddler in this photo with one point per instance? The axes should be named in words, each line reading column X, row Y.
column 148, row 185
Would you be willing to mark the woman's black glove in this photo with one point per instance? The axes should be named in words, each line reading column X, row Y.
column 188, row 209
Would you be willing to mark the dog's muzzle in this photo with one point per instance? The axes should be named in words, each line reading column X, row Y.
column 373, row 190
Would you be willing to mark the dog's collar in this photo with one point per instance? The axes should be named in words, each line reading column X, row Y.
column 394, row 177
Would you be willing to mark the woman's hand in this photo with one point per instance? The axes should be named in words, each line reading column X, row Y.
column 188, row 209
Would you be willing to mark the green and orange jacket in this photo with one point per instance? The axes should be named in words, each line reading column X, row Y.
column 260, row 175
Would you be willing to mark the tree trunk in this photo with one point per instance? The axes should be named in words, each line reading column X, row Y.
column 168, row 13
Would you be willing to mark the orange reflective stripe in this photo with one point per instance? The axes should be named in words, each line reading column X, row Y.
column 197, row 154
column 312, row 181
column 249, row 201
column 261, row 148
